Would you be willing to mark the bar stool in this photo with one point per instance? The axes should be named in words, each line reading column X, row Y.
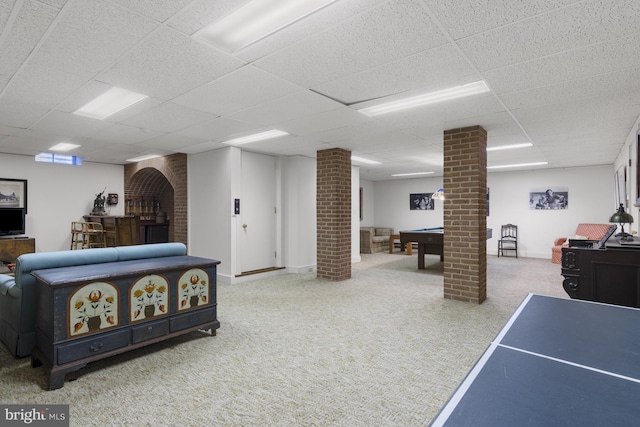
column 77, row 238
column 86, row 235
column 94, row 235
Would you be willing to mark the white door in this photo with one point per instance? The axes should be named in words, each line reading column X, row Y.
column 258, row 212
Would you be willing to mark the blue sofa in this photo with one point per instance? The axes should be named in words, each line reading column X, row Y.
column 18, row 294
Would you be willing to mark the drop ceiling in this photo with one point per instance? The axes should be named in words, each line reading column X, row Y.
column 564, row 75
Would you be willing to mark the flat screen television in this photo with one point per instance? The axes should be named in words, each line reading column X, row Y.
column 12, row 221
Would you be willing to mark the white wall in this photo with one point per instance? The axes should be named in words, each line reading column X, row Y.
column 213, row 185
column 591, row 199
column 299, row 219
column 368, row 210
column 211, row 208
column 60, row 194
column 355, row 214
column 628, row 157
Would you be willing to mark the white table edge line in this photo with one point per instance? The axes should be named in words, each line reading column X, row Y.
column 578, row 365
column 457, row 396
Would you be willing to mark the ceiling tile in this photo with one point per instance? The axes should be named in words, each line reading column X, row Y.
column 169, row 64
column 168, row 117
column 42, row 87
column 160, row 10
column 620, row 81
column 466, row 18
column 91, row 36
column 288, row 107
column 359, row 130
column 202, row 147
column 31, row 23
column 450, row 114
column 612, row 55
column 19, row 115
column 58, row 4
column 430, row 70
column 401, row 28
column 124, row 134
column 5, row 11
column 219, row 128
column 201, row 13
column 327, row 120
column 241, row 89
column 170, row 142
column 577, row 25
column 323, row 20
column 65, row 124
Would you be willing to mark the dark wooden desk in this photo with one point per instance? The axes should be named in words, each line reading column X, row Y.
column 610, row 275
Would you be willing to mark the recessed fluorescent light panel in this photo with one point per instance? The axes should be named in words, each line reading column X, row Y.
column 427, row 98
column 64, row 146
column 510, row 147
column 520, row 165
column 114, row 100
column 367, row 161
column 256, row 137
column 413, row 174
column 256, row 20
column 145, row 157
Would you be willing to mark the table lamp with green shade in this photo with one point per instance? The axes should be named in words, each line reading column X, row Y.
column 621, row 217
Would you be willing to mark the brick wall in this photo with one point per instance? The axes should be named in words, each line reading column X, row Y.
column 165, row 179
column 465, row 220
column 333, row 209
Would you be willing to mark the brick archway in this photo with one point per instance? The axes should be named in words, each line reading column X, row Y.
column 165, row 179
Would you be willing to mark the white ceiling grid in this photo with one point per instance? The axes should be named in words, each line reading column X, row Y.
column 563, row 74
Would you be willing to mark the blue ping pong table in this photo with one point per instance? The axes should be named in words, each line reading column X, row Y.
column 557, row 362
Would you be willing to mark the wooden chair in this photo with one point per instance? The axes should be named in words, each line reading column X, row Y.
column 86, row 235
column 508, row 239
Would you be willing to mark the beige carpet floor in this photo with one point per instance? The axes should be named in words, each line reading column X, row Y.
column 383, row 348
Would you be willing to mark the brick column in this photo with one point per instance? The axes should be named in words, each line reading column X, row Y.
column 465, row 210
column 333, row 209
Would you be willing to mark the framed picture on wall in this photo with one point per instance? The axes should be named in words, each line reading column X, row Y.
column 549, row 199
column 421, row 202
column 13, row 193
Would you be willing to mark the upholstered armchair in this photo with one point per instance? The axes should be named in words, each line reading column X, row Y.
column 374, row 239
column 593, row 232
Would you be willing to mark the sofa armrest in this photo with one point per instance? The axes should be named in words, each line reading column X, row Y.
column 559, row 241
column 8, row 286
column 366, row 234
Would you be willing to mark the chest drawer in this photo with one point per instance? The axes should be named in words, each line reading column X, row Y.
column 149, row 330
column 188, row 320
column 91, row 346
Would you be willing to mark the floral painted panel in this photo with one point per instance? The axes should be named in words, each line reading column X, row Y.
column 93, row 307
column 193, row 288
column 149, row 297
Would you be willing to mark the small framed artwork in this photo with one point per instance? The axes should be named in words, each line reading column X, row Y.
column 13, row 193
column 421, row 202
column 550, row 198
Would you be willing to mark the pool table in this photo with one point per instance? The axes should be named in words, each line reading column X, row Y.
column 429, row 240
